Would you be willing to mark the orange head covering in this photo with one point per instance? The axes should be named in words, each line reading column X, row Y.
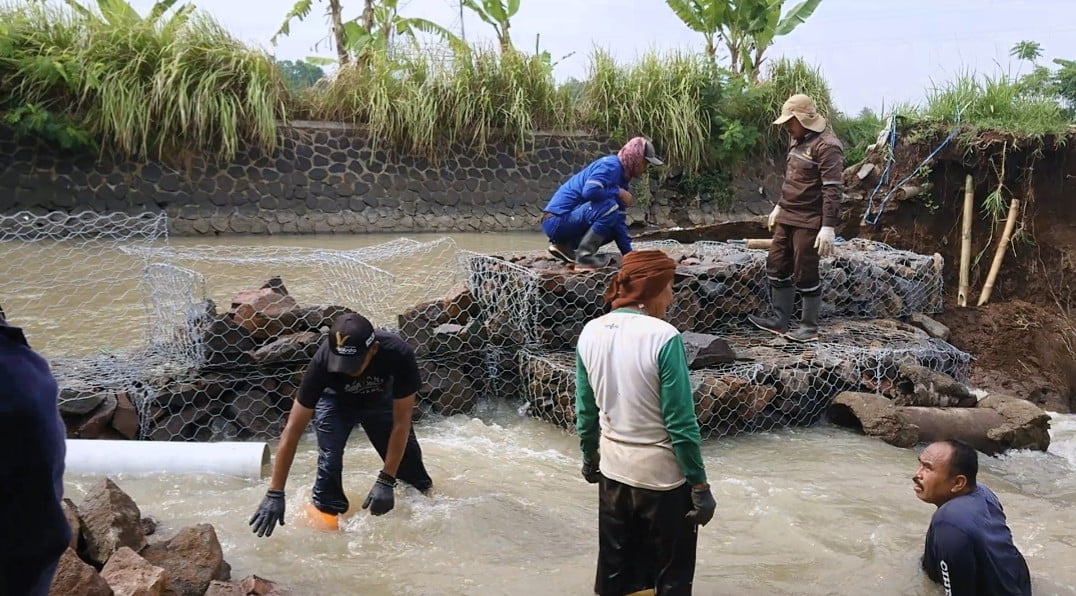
column 643, row 275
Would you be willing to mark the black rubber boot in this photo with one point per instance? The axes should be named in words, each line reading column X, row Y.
column 586, row 256
column 808, row 327
column 783, row 298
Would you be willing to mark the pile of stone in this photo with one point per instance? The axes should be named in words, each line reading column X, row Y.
column 114, row 550
column 250, row 364
column 537, row 301
column 749, row 381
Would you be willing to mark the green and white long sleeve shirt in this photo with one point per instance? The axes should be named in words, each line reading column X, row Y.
column 633, row 402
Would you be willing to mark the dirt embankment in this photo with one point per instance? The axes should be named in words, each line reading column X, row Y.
column 1024, row 338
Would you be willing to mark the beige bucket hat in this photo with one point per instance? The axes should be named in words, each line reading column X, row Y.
column 805, row 110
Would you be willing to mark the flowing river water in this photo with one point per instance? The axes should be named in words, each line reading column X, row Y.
column 800, row 511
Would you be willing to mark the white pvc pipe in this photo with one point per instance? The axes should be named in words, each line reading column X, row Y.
column 140, row 458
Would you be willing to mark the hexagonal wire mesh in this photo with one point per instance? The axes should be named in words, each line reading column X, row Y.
column 507, row 331
column 250, row 358
column 534, row 306
column 76, row 293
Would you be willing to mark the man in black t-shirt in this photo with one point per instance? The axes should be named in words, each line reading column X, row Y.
column 358, row 376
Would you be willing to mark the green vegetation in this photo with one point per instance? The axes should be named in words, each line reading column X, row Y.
column 174, row 82
column 142, row 86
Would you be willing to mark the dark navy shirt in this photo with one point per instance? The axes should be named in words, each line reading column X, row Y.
column 969, row 548
column 392, row 374
column 33, row 526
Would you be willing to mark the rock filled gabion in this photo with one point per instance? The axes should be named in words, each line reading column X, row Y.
column 765, row 382
column 533, row 300
column 507, row 331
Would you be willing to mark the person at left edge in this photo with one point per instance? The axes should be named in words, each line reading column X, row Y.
column 358, row 376
column 32, row 449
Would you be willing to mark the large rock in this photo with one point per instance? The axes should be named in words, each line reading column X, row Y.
column 264, row 313
column 932, row 327
column 192, row 558
column 78, row 402
column 71, row 513
column 110, row 520
column 132, row 575
column 1026, row 425
column 75, row 576
column 228, row 344
column 99, row 421
column 252, row 585
column 919, row 386
column 125, row 421
column 704, row 350
column 294, row 347
column 874, row 416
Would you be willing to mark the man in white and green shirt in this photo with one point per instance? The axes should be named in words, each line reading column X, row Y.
column 639, row 435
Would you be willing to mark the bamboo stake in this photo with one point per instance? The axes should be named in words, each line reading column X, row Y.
column 965, row 242
column 1010, row 223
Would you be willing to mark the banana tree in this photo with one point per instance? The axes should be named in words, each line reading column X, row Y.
column 747, row 27
column 119, row 12
column 497, row 13
column 376, row 29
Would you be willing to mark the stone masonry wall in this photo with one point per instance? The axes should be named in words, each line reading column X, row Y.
column 323, row 178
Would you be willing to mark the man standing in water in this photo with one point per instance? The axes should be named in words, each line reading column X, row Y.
column 803, row 220
column 358, row 376
column 969, row 548
column 639, row 435
column 587, row 211
column 32, row 522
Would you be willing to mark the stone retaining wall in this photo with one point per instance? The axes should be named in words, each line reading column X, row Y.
column 323, row 178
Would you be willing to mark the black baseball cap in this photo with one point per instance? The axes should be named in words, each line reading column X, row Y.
column 349, row 339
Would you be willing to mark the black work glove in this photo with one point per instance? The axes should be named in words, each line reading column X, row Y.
column 269, row 513
column 703, row 506
column 591, row 471
column 381, row 499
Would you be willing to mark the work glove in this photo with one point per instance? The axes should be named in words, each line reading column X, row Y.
column 703, row 506
column 269, row 513
column 772, row 221
column 591, row 471
column 381, row 499
column 824, row 241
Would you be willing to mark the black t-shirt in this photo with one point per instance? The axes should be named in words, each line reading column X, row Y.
column 392, row 374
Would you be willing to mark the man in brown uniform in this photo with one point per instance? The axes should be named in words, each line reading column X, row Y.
column 804, row 219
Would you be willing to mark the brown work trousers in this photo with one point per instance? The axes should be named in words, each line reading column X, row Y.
column 794, row 258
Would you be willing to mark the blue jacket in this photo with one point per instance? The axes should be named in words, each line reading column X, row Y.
column 32, row 450
column 969, row 548
column 599, row 181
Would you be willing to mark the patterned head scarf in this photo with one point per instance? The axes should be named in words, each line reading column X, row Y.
column 633, row 157
column 643, row 275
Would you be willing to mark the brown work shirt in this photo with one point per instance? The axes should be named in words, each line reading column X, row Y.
column 811, row 193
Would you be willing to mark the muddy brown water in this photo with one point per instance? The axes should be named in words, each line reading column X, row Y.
column 800, row 511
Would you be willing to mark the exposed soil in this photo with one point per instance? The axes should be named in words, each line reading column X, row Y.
column 1024, row 338
column 1020, row 349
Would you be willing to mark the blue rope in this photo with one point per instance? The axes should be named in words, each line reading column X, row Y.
column 873, row 220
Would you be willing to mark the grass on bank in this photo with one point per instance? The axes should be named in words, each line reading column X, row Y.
column 144, row 88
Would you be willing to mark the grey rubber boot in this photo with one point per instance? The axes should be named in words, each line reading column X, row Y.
column 783, row 299
column 586, row 256
column 808, row 327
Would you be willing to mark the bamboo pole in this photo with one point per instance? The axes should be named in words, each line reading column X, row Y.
column 965, row 242
column 1010, row 223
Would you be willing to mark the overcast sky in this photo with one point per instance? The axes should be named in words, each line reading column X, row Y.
column 872, row 52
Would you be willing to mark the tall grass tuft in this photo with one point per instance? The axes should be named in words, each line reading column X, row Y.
column 419, row 103
column 1000, row 103
column 144, row 88
column 662, row 97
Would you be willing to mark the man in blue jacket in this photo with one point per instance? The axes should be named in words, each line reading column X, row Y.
column 588, row 210
column 969, row 549
column 32, row 523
